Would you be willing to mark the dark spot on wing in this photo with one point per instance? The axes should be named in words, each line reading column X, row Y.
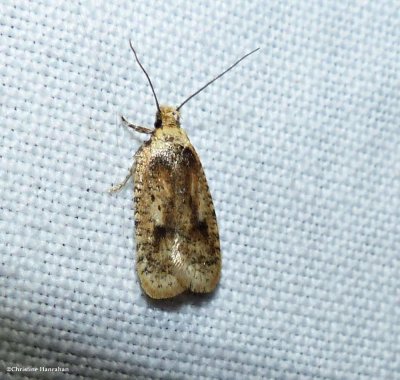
column 202, row 227
column 159, row 232
column 188, row 157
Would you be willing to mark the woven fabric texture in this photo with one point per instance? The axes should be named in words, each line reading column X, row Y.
column 301, row 147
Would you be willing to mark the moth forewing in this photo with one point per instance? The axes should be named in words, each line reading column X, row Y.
column 176, row 229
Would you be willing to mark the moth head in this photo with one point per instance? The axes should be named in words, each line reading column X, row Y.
column 167, row 116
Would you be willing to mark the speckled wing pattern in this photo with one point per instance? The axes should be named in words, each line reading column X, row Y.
column 176, row 228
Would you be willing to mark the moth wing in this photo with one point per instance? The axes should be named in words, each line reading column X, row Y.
column 153, row 262
column 176, row 228
column 196, row 255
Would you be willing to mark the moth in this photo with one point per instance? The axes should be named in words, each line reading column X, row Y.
column 177, row 239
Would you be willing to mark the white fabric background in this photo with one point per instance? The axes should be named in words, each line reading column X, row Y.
column 300, row 145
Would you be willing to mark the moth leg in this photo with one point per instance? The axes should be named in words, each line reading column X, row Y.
column 120, row 185
column 137, row 128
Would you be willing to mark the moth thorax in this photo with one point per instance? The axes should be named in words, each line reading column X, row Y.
column 167, row 116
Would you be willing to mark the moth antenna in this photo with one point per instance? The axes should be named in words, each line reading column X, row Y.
column 147, row 75
column 217, row 77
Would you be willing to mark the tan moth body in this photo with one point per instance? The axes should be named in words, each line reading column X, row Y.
column 176, row 228
column 177, row 240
